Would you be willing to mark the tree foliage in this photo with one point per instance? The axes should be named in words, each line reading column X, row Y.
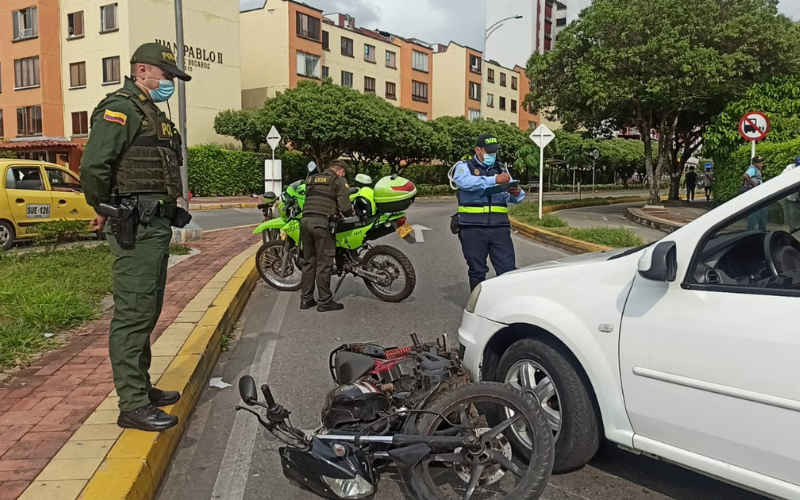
column 647, row 63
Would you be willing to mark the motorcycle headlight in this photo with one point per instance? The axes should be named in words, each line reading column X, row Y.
column 357, row 487
column 473, row 299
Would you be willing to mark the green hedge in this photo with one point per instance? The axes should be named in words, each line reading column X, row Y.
column 728, row 176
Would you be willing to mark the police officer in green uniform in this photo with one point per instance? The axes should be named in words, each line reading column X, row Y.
column 327, row 196
column 132, row 164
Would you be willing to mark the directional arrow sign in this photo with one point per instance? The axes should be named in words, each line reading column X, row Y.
column 273, row 138
column 418, row 228
column 542, row 136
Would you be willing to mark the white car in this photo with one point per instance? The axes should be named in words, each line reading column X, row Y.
column 687, row 350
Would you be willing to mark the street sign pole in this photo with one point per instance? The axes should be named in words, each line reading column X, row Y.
column 753, row 149
column 274, row 174
column 541, row 137
column 182, row 103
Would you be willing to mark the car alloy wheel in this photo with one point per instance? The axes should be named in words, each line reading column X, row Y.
column 531, row 378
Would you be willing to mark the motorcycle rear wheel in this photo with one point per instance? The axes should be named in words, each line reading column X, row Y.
column 269, row 259
column 390, row 260
column 470, row 404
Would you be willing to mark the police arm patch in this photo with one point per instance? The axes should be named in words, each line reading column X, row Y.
column 115, row 117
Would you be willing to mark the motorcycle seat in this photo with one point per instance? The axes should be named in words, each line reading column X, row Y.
column 353, row 222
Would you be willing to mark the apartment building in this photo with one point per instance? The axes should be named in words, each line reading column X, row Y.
column 64, row 56
column 510, row 40
column 285, row 42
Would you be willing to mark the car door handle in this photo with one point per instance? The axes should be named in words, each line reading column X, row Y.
column 20, row 200
column 62, row 202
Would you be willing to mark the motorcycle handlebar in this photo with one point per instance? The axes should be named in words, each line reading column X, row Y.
column 268, row 395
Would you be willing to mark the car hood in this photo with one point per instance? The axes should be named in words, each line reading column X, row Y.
column 574, row 260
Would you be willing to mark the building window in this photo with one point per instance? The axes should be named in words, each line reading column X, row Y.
column 326, row 72
column 513, row 106
column 532, row 125
column 29, row 120
column 489, row 100
column 77, row 75
column 503, row 82
column 307, row 65
column 347, row 47
column 491, row 75
column 80, row 123
column 347, row 79
column 475, row 91
column 369, row 53
column 391, row 59
column 561, row 22
column 503, row 103
column 26, row 24
column 419, row 91
column 75, row 24
column 474, row 114
column 423, row 116
column 475, row 64
column 26, row 73
column 369, row 85
column 514, row 82
column 326, row 40
column 307, row 26
column 111, row 70
column 391, row 90
column 108, row 18
column 419, row 61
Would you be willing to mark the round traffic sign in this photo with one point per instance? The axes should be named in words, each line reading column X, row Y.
column 754, row 126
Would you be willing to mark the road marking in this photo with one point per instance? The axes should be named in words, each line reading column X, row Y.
column 235, row 467
column 418, row 228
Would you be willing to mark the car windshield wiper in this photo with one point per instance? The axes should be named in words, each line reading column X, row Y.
column 630, row 251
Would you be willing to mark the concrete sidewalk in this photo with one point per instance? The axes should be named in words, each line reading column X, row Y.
column 43, row 405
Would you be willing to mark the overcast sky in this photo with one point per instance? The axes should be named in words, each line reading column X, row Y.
column 436, row 21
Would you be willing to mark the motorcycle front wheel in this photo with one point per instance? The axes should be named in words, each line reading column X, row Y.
column 494, row 472
column 270, row 261
column 398, row 278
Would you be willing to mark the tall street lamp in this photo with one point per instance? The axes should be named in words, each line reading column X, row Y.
column 491, row 29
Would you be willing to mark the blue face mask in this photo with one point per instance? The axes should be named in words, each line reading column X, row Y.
column 164, row 91
column 489, row 159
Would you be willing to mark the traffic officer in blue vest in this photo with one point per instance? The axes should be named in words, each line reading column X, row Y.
column 483, row 225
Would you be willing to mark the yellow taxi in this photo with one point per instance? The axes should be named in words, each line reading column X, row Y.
column 32, row 192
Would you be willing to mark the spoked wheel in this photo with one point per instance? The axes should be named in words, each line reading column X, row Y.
column 397, row 276
column 270, row 260
column 493, row 472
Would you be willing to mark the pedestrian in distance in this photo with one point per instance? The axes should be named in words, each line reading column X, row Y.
column 708, row 182
column 752, row 178
column 327, row 200
column 484, row 194
column 131, row 171
column 691, row 184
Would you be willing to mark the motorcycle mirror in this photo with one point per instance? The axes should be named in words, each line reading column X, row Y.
column 363, row 179
column 312, row 166
column 248, row 391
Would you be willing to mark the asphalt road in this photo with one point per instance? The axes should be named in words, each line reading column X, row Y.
column 225, row 455
column 609, row 216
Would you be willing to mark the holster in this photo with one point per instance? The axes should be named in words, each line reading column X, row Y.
column 125, row 224
column 333, row 223
column 180, row 218
column 454, row 227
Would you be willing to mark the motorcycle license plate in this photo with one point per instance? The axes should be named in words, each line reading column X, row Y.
column 404, row 230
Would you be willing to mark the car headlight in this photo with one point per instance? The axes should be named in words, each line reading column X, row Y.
column 357, row 487
column 473, row 299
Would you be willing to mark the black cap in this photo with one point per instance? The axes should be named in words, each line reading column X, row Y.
column 488, row 142
column 159, row 55
column 758, row 159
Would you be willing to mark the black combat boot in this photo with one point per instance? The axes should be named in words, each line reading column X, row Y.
column 147, row 418
column 330, row 306
column 163, row 398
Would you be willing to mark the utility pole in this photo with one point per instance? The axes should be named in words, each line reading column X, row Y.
column 182, row 102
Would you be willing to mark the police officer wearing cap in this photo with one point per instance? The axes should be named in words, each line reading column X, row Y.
column 132, row 160
column 484, row 228
column 327, row 196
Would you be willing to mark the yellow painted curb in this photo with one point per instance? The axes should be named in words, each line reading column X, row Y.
column 103, row 462
column 556, row 240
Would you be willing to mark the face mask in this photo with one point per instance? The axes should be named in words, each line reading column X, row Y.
column 164, row 91
column 489, row 159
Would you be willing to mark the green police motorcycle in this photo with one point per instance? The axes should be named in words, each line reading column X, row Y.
column 380, row 211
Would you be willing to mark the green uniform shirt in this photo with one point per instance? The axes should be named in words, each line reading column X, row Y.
column 115, row 124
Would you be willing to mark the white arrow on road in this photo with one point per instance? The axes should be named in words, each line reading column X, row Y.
column 418, row 228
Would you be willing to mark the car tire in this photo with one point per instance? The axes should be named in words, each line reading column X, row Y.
column 578, row 435
column 7, row 235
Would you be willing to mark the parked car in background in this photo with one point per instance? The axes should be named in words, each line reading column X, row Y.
column 33, row 192
column 685, row 350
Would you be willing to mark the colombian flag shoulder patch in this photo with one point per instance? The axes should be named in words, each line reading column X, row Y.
column 115, row 117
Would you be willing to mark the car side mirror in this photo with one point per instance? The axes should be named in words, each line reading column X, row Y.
column 363, row 179
column 248, row 391
column 660, row 263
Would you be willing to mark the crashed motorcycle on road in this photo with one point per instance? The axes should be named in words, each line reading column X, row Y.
column 416, row 408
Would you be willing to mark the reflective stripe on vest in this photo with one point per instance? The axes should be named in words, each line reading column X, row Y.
column 483, row 210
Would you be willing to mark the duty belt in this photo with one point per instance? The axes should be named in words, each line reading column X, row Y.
column 483, row 210
column 165, row 209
